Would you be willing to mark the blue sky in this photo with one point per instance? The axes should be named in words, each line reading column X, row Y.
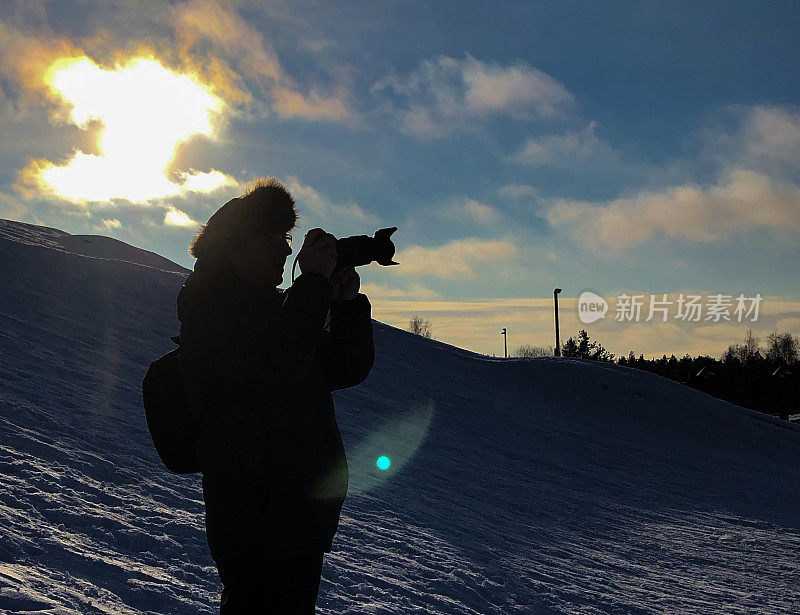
column 638, row 148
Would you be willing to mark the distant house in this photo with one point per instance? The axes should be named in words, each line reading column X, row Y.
column 782, row 372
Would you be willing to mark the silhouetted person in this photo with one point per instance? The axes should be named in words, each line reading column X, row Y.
column 259, row 367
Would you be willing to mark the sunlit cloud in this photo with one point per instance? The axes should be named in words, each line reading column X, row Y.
column 454, row 260
column 175, row 217
column 416, row 291
column 146, row 110
column 741, row 201
column 205, row 182
column 209, row 38
column 755, row 189
column 476, row 325
column 289, row 102
column 234, row 56
column 110, row 224
column 24, row 58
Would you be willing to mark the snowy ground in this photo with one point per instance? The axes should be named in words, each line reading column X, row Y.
column 518, row 486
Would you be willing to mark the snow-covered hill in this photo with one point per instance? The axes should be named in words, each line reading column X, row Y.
column 516, row 486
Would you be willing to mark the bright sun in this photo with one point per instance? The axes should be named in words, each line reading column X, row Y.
column 146, row 111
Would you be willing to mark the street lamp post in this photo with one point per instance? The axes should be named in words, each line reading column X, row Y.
column 555, row 301
column 505, row 341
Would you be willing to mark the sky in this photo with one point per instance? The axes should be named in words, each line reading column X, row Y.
column 622, row 149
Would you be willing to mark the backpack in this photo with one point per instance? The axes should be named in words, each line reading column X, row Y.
column 170, row 419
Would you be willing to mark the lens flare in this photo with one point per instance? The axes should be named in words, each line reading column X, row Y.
column 146, row 111
column 401, row 435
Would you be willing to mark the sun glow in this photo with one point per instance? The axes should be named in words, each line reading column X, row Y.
column 146, row 111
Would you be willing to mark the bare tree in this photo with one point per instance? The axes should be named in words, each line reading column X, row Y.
column 420, row 326
column 783, row 348
column 528, row 352
column 746, row 352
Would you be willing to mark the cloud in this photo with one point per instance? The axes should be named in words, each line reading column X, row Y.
column 322, row 209
column 193, row 181
column 773, row 132
column 24, row 59
column 86, row 181
column 476, row 325
column 415, row 291
column 230, row 53
column 11, row 207
column 457, row 259
column 315, row 106
column 210, row 23
column 763, row 138
column 756, row 188
column 741, row 201
column 516, row 191
column 175, row 217
column 564, row 149
column 791, row 325
column 109, row 224
column 145, row 111
column 470, row 209
column 208, row 39
column 518, row 90
column 446, row 94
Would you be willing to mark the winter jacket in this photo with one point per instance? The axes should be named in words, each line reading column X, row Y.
column 259, row 368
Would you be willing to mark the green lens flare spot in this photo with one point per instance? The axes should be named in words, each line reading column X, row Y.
column 383, row 462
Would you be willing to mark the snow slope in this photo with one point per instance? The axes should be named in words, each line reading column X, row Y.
column 516, row 486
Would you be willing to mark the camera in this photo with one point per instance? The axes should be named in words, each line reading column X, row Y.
column 362, row 250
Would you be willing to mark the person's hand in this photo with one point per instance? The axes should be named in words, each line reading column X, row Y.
column 345, row 284
column 318, row 254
